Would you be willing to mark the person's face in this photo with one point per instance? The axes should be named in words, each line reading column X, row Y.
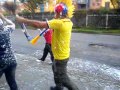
column 57, row 15
column 2, row 10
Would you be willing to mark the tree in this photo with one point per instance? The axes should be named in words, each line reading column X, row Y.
column 118, row 1
column 115, row 3
column 31, row 5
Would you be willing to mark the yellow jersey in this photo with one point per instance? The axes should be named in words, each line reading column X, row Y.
column 61, row 37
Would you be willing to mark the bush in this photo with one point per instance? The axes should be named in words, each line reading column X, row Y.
column 25, row 12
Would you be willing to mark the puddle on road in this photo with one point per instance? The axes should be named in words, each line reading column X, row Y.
column 100, row 45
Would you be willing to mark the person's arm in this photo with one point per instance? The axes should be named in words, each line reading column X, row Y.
column 34, row 23
column 9, row 23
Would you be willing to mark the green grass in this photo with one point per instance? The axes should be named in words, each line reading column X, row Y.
column 98, row 31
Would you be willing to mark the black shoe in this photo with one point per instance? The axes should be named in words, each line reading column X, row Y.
column 56, row 88
column 52, row 88
column 41, row 59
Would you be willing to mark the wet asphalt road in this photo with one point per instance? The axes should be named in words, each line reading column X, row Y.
column 104, row 49
column 94, row 63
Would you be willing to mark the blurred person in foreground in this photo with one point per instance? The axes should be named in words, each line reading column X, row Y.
column 62, row 27
column 7, row 59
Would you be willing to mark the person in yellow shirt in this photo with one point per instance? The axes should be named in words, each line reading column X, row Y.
column 62, row 27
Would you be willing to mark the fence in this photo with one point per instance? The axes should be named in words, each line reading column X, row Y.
column 103, row 21
column 95, row 21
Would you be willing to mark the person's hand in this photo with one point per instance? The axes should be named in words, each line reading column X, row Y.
column 2, row 16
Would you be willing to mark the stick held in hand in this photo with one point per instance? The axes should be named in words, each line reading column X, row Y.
column 34, row 40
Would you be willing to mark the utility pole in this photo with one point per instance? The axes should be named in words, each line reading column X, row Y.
column 15, row 2
column 86, row 13
column 86, row 5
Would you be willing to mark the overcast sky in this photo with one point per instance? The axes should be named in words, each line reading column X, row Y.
column 6, row 0
column 2, row 0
